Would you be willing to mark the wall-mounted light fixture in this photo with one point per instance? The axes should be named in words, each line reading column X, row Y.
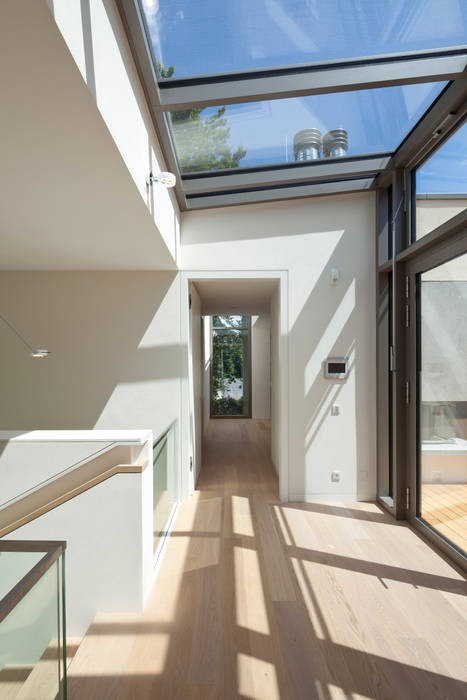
column 164, row 178
column 35, row 352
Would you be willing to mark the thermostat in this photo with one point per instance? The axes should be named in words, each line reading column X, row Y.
column 336, row 367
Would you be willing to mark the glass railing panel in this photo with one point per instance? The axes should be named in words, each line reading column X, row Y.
column 164, row 488
column 32, row 625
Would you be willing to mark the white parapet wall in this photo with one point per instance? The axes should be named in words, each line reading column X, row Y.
column 108, row 528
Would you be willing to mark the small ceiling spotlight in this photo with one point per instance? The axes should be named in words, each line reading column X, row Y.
column 34, row 352
column 164, row 178
column 40, row 353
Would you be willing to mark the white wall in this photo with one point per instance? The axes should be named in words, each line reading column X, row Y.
column 115, row 343
column 260, row 366
column 196, row 381
column 275, row 385
column 307, row 238
column 95, row 37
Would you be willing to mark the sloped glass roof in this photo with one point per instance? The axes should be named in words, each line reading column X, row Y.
column 255, row 100
column 199, row 37
column 263, row 133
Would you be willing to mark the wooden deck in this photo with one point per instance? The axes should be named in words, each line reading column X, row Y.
column 262, row 600
column 444, row 506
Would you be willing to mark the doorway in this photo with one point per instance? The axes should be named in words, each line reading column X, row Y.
column 240, row 296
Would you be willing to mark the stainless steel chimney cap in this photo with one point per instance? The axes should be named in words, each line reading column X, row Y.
column 336, row 139
column 307, row 138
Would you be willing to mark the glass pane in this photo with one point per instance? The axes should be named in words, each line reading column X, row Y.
column 299, row 128
column 230, row 368
column 230, row 321
column 15, row 565
column 443, row 400
column 216, row 36
column 441, row 184
column 163, row 484
column 30, row 649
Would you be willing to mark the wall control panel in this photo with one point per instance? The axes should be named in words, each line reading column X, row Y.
column 336, row 367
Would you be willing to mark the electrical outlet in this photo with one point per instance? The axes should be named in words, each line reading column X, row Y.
column 335, row 476
column 335, row 409
column 436, row 477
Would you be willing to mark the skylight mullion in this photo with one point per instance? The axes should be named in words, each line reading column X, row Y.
column 339, row 76
column 318, row 170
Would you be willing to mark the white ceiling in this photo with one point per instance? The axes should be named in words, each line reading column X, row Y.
column 67, row 200
column 235, row 296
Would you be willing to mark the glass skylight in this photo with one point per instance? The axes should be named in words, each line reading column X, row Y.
column 262, row 133
column 218, row 36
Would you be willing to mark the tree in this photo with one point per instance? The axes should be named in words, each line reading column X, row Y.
column 202, row 142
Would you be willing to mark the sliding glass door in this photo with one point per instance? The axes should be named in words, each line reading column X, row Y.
column 441, row 327
column 230, row 367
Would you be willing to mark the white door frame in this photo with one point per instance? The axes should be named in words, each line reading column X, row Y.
column 185, row 447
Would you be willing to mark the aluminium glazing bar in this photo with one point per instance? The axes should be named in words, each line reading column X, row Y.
column 314, row 79
column 260, row 194
column 262, row 176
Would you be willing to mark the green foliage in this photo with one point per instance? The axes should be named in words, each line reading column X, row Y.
column 202, row 142
column 227, row 359
column 227, row 406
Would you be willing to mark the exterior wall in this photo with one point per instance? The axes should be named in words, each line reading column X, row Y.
column 95, row 37
column 115, row 343
column 431, row 213
column 260, row 366
column 308, row 238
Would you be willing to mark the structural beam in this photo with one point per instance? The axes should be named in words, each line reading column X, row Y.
column 314, row 79
column 265, row 194
column 285, row 174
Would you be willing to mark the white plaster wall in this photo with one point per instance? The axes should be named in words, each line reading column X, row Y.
column 307, row 238
column 196, row 382
column 115, row 343
column 206, row 371
column 25, row 466
column 275, row 385
column 95, row 37
column 261, row 366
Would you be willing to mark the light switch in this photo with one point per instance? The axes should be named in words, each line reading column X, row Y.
column 335, row 409
column 335, row 476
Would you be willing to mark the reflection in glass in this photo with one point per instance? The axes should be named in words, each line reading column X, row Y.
column 31, row 660
column 443, row 400
column 264, row 133
column 441, row 184
column 217, row 36
column 230, row 376
column 163, row 484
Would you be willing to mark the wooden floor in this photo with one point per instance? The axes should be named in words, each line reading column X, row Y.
column 261, row 600
column 444, row 506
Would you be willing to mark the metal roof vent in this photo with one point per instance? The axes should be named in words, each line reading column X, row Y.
column 307, row 144
column 335, row 143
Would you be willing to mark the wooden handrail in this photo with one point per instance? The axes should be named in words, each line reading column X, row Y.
column 63, row 489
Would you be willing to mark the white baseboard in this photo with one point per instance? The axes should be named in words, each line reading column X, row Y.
column 322, row 497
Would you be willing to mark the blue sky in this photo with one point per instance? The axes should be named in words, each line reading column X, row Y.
column 211, row 36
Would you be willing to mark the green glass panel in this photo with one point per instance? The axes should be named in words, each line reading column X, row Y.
column 163, row 484
column 31, row 662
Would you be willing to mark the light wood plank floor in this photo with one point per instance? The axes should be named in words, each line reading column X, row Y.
column 260, row 600
column 444, row 506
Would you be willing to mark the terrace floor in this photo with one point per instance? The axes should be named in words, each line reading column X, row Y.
column 444, row 507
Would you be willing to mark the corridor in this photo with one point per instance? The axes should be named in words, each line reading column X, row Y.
column 261, row 600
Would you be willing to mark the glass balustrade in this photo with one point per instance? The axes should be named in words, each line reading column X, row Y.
column 32, row 621
column 164, row 486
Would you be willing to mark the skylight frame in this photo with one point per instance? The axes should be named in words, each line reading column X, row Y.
column 264, row 183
